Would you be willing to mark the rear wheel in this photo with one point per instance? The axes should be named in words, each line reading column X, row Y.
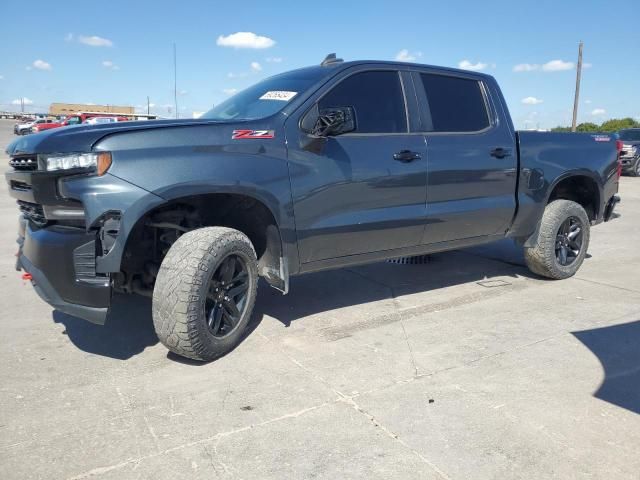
column 204, row 293
column 563, row 240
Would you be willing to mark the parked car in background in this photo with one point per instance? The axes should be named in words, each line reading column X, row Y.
column 46, row 125
column 82, row 117
column 630, row 153
column 25, row 128
column 102, row 120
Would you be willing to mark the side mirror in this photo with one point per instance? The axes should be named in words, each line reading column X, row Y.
column 329, row 121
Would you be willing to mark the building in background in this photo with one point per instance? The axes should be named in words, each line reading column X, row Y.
column 71, row 108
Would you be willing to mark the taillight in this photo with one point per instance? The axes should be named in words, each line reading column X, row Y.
column 619, row 149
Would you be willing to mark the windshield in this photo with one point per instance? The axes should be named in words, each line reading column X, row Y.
column 265, row 98
column 632, row 135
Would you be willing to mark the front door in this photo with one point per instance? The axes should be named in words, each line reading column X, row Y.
column 363, row 191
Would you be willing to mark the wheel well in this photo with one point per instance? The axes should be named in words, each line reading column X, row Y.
column 155, row 232
column 579, row 189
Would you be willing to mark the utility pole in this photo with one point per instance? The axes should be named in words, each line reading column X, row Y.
column 22, row 104
column 148, row 108
column 577, row 96
column 175, row 80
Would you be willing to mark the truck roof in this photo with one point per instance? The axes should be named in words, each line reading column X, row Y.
column 341, row 65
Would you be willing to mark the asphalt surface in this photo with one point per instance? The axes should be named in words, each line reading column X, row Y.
column 466, row 367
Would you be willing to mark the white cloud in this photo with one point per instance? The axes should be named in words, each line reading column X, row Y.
column 557, row 66
column 256, row 67
column 598, row 111
column 587, row 65
column 229, row 91
column 25, row 100
column 41, row 65
column 95, row 41
column 526, row 67
column 531, row 101
column 405, row 55
column 245, row 40
column 237, row 75
column 467, row 65
column 110, row 65
column 273, row 59
column 68, row 37
column 588, row 102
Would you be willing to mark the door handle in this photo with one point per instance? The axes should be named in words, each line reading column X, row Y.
column 406, row 156
column 500, row 152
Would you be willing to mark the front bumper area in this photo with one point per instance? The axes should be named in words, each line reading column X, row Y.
column 61, row 262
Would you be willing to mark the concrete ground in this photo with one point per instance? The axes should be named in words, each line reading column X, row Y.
column 467, row 367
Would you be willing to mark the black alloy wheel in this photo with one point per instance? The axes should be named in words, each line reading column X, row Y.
column 569, row 241
column 227, row 296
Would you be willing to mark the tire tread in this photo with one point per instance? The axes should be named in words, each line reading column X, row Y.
column 176, row 296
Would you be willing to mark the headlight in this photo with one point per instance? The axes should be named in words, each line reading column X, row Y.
column 99, row 162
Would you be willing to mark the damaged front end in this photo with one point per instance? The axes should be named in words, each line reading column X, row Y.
column 69, row 232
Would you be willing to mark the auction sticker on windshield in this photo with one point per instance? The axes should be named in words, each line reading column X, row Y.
column 278, row 95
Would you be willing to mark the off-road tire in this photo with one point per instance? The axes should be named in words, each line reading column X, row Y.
column 635, row 171
column 541, row 259
column 181, row 289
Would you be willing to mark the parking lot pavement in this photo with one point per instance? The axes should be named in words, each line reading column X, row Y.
column 464, row 367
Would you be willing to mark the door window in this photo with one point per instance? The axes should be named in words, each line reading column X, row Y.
column 456, row 104
column 376, row 98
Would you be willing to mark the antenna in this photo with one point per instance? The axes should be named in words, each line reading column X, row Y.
column 329, row 59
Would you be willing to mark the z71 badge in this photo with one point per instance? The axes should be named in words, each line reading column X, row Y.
column 242, row 134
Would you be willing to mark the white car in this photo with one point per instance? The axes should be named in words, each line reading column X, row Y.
column 100, row 120
column 24, row 128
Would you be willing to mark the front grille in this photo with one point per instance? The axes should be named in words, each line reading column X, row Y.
column 33, row 212
column 24, row 163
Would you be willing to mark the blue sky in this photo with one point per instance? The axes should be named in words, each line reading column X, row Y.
column 118, row 52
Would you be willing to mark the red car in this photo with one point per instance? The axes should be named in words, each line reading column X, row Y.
column 49, row 124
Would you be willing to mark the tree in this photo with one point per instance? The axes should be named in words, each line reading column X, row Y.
column 612, row 125
column 587, row 127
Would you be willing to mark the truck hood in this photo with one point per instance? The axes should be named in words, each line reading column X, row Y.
column 81, row 138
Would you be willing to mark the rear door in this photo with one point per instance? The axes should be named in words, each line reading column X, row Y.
column 471, row 157
column 364, row 191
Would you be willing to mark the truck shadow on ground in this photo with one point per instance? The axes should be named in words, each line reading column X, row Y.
column 617, row 348
column 127, row 332
column 129, row 327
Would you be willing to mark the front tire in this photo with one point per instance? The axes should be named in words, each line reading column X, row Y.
column 563, row 240
column 635, row 171
column 205, row 292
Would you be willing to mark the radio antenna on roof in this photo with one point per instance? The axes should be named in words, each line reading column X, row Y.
column 329, row 59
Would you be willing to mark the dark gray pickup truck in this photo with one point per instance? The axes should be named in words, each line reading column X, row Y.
column 324, row 167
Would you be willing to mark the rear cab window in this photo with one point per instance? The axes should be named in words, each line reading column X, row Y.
column 455, row 104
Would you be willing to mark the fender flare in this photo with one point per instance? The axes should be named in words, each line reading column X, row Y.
column 532, row 240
